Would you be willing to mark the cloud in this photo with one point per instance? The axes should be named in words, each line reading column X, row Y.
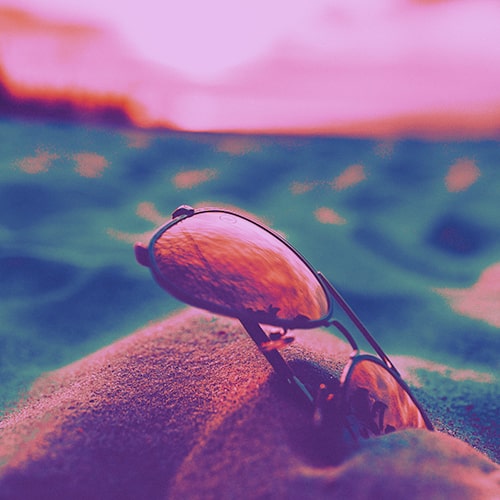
column 381, row 68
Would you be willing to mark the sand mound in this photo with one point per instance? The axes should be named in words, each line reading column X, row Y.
column 188, row 408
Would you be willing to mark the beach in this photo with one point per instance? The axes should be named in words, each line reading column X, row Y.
column 188, row 408
column 99, row 391
column 365, row 136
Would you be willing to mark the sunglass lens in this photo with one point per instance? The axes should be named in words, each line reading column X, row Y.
column 374, row 402
column 220, row 261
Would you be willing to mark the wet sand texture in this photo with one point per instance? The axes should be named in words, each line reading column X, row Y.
column 188, row 408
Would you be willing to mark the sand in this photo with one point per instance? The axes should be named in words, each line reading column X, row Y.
column 188, row 408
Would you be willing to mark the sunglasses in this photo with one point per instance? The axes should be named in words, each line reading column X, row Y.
column 231, row 265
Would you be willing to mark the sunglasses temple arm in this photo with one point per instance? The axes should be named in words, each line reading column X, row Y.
column 275, row 359
column 360, row 326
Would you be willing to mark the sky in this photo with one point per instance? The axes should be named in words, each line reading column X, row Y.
column 415, row 66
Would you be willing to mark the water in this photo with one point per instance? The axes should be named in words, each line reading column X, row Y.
column 385, row 221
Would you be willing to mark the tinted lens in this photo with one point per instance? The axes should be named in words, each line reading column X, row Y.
column 222, row 261
column 375, row 402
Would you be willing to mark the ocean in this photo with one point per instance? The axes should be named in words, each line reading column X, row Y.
column 403, row 228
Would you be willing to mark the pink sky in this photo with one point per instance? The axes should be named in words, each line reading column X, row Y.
column 390, row 66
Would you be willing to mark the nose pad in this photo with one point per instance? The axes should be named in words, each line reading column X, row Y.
column 142, row 254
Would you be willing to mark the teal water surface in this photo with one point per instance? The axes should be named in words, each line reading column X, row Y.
column 73, row 198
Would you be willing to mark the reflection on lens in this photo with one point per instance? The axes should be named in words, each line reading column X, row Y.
column 375, row 403
column 229, row 262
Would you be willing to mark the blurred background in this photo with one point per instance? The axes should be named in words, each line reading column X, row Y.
column 367, row 132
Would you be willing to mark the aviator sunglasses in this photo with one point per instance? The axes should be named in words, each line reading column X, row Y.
column 231, row 265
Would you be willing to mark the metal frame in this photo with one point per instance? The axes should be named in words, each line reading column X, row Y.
column 251, row 321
